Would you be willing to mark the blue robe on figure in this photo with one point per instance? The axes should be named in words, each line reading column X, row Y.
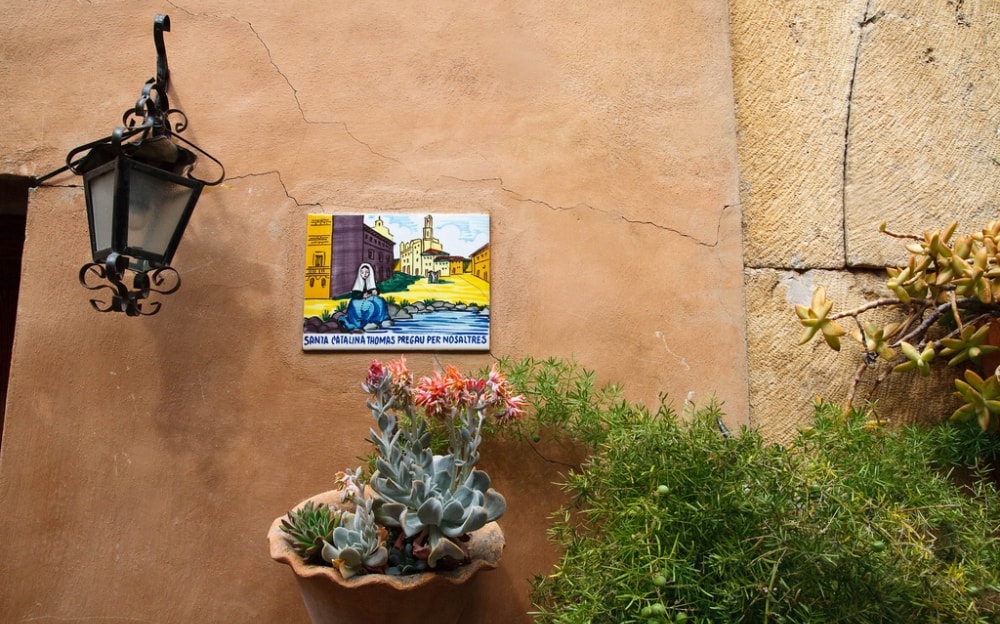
column 365, row 306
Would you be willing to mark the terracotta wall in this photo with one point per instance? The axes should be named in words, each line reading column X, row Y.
column 144, row 459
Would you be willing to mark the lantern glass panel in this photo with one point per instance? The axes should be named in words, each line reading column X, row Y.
column 160, row 204
column 99, row 186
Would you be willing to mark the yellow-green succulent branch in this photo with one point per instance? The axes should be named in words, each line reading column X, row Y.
column 945, row 297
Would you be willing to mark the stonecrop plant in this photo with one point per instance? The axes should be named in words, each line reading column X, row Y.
column 945, row 298
column 418, row 508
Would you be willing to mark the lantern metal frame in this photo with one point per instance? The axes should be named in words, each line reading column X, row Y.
column 143, row 155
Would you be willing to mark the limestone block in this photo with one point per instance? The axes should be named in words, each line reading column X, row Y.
column 785, row 377
column 924, row 137
column 850, row 114
column 793, row 63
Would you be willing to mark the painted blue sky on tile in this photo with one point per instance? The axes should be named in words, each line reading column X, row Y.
column 460, row 234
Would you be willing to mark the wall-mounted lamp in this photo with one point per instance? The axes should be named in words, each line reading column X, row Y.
column 140, row 194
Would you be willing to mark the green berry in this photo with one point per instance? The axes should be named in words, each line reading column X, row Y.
column 659, row 580
column 662, row 490
column 658, row 609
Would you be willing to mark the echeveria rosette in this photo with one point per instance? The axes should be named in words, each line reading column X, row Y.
column 358, row 544
column 431, row 505
column 435, row 500
column 309, row 528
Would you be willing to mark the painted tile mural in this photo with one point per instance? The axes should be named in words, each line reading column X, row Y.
column 397, row 282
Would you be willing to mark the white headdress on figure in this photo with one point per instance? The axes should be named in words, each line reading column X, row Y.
column 363, row 283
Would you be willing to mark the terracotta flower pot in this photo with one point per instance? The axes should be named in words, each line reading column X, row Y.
column 416, row 598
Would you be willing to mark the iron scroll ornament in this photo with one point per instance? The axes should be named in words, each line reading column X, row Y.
column 113, row 272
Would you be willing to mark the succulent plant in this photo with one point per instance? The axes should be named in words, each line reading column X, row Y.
column 358, row 544
column 309, row 527
column 981, row 399
column 426, row 495
column 946, row 297
column 434, row 499
column 430, row 502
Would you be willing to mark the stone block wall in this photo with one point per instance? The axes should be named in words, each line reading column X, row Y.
column 850, row 114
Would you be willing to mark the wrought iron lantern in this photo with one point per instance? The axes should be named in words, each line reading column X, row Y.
column 140, row 194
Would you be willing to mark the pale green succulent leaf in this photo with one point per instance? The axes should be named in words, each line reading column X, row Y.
column 441, row 548
column 431, row 511
column 972, row 379
column 411, row 523
column 453, row 511
column 475, row 519
column 341, row 535
column 387, row 514
column 909, row 351
column 351, row 557
column 378, row 558
column 495, row 505
column 478, row 480
column 963, row 414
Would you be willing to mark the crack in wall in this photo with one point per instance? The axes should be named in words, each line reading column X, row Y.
column 549, row 460
column 868, row 19
column 294, row 90
column 697, row 241
column 270, row 59
column 583, row 206
column 305, row 119
column 298, row 101
column 284, row 187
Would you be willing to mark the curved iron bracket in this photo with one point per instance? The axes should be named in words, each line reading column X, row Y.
column 161, row 24
column 151, row 117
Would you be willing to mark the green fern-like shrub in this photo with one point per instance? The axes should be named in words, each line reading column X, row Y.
column 672, row 521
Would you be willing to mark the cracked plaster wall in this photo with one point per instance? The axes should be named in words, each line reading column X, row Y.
column 147, row 457
column 851, row 114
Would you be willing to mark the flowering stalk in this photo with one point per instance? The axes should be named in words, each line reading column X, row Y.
column 437, row 497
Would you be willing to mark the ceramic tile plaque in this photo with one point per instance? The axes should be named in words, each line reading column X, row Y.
column 397, row 282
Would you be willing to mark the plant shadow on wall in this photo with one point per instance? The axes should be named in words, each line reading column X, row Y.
column 943, row 305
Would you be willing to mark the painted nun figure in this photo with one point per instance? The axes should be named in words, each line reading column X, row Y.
column 366, row 306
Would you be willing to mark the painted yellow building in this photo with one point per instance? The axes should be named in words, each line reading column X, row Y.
column 382, row 229
column 457, row 265
column 319, row 247
column 481, row 262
